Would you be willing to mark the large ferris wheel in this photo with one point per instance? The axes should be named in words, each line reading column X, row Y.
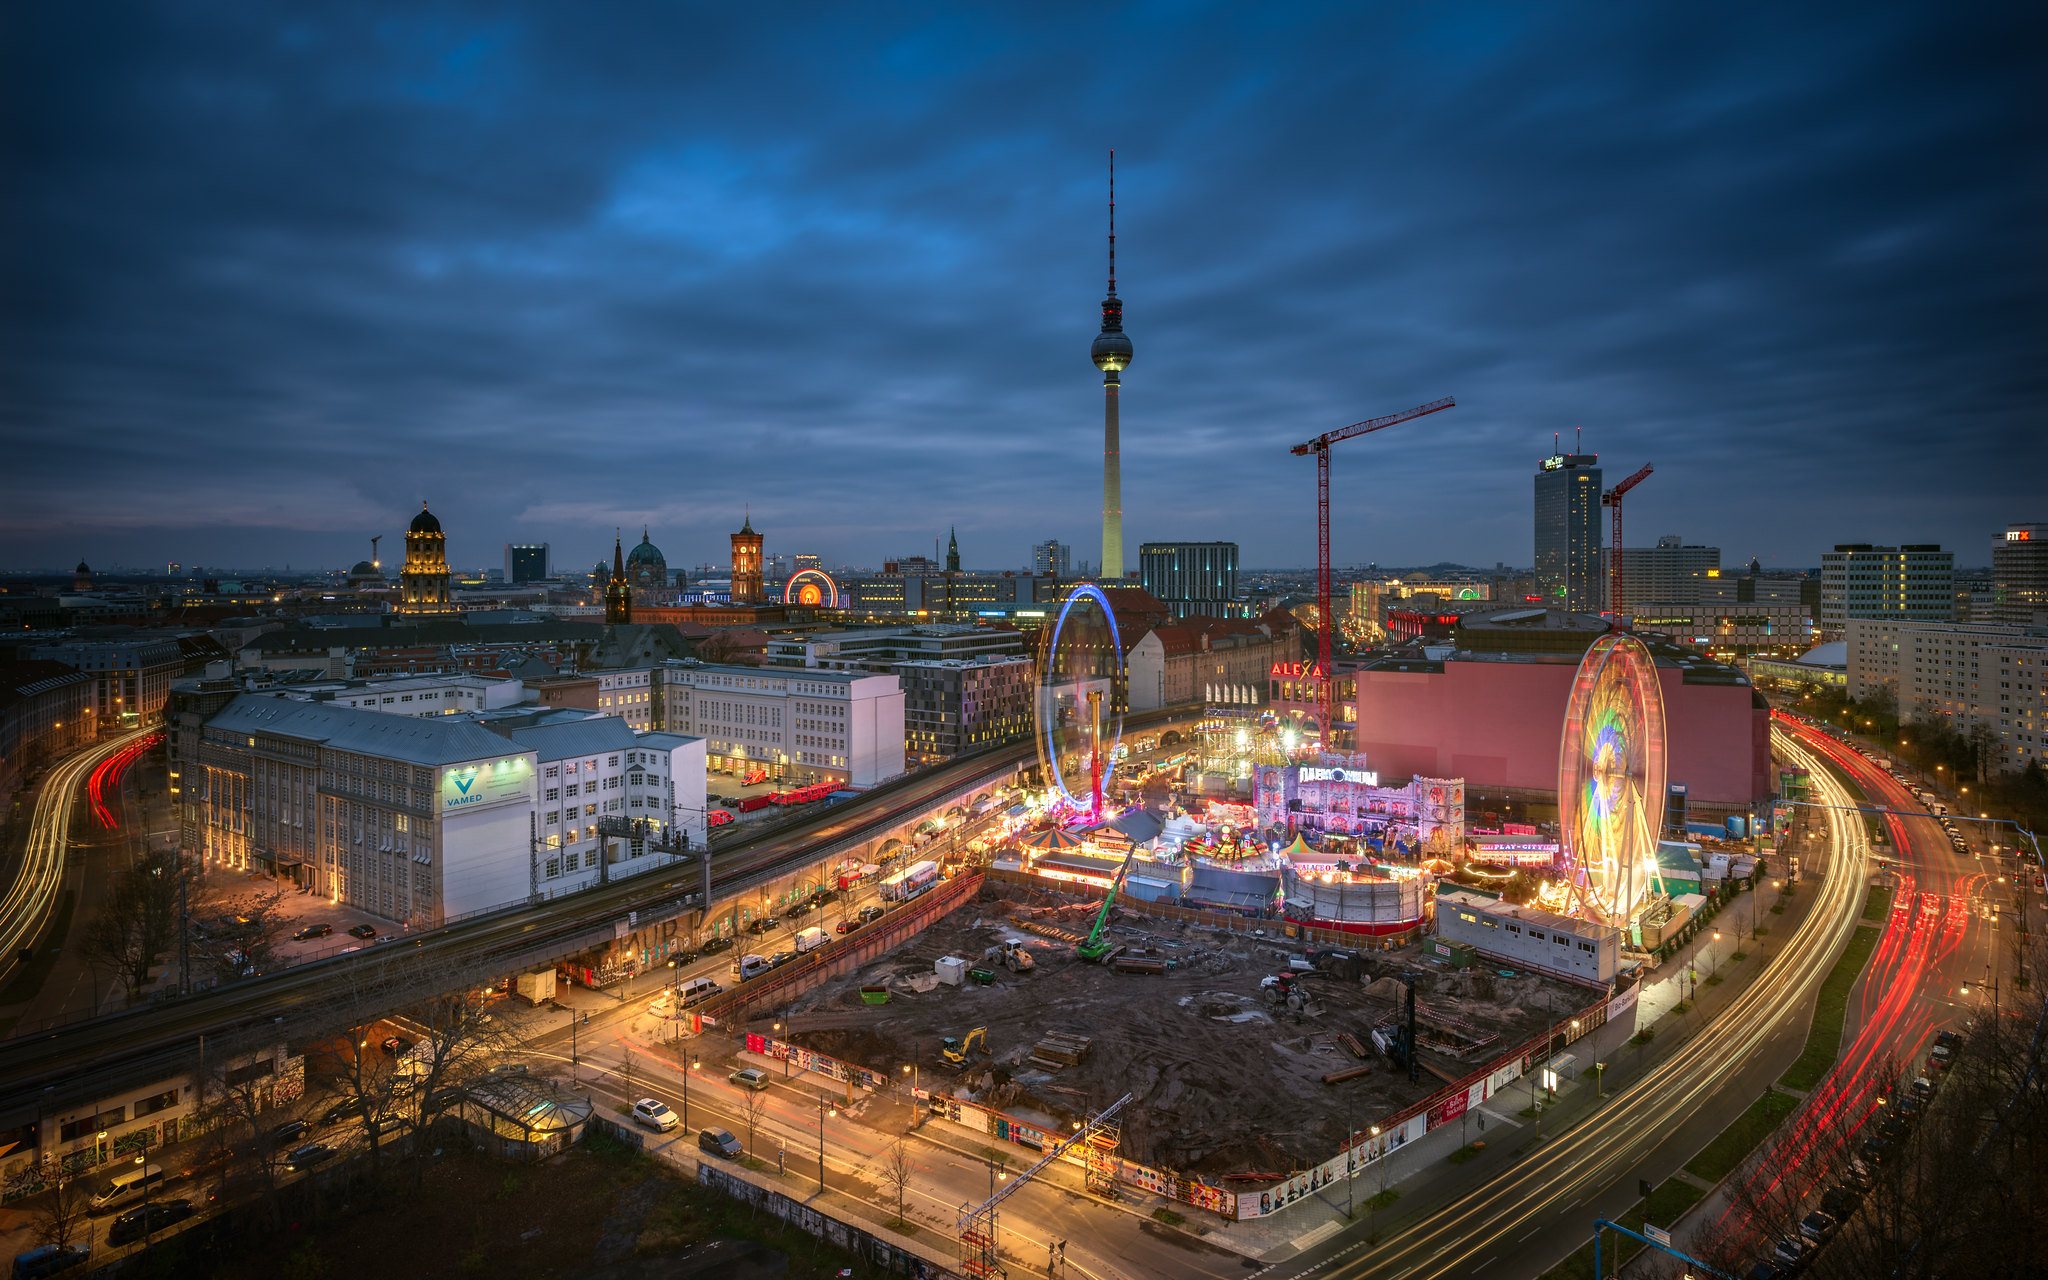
column 1079, row 697
column 1610, row 779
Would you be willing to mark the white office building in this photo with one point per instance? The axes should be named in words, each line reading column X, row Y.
column 612, row 802
column 1962, row 673
column 627, row 694
column 803, row 726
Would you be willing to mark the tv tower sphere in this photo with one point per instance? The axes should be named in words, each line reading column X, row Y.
column 1111, row 350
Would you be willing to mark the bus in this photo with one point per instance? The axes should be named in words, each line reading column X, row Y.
column 909, row 882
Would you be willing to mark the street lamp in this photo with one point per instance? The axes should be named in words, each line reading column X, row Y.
column 1599, row 1082
column 688, row 1067
column 822, row 1113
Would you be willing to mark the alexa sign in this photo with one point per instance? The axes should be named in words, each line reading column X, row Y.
column 1363, row 777
column 475, row 785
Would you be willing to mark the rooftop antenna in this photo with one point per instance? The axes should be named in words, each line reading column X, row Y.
column 1112, row 221
column 1556, row 446
column 1578, row 440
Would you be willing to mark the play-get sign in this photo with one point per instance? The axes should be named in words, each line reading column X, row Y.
column 474, row 785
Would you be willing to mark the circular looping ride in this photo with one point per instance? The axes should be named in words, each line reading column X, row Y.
column 812, row 587
column 1610, row 779
column 1079, row 696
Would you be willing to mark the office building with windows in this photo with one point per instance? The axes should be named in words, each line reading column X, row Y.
column 612, row 802
column 1962, row 673
column 803, row 726
column 951, row 705
column 527, row 562
column 1568, row 538
column 1669, row 573
column 1190, row 577
column 1052, row 558
column 1899, row 584
column 2019, row 575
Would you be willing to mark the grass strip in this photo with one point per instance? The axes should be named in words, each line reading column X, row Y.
column 1824, row 1039
column 1666, row 1203
column 1878, row 903
column 1735, row 1142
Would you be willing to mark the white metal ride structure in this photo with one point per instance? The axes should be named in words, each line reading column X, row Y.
column 1610, row 779
column 978, row 1225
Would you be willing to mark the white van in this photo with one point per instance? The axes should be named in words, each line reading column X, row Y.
column 810, row 939
column 698, row 990
column 127, row 1185
column 749, row 967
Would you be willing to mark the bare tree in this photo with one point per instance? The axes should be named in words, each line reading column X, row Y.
column 63, row 1215
column 137, row 922
column 897, row 1171
column 754, row 1105
column 238, row 935
column 238, row 1092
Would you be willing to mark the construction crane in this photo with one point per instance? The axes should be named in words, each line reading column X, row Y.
column 1093, row 948
column 979, row 1249
column 1612, row 498
column 1320, row 446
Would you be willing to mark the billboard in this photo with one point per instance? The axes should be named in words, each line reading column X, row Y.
column 477, row 786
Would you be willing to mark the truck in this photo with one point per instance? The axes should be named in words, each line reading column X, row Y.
column 909, row 882
column 748, row 804
column 810, row 939
column 537, row 988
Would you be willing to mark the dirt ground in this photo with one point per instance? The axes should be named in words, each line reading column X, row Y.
column 1224, row 1083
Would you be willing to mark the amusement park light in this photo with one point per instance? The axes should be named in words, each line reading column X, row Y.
column 1243, row 737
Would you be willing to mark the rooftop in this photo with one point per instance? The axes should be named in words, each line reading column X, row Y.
column 428, row 741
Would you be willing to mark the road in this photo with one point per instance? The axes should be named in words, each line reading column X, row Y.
column 158, row 1038
column 28, row 899
column 1532, row 1212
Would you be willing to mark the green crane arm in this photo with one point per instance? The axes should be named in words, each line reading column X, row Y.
column 1093, row 948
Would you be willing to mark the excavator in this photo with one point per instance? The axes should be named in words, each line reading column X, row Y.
column 954, row 1053
column 1094, row 949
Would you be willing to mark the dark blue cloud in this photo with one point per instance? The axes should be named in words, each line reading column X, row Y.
column 272, row 280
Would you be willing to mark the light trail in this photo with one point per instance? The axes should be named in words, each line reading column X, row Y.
column 28, row 899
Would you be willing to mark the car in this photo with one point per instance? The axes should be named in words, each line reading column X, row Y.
column 1875, row 1149
column 868, row 915
column 848, row 926
column 719, row 1143
column 1948, row 1040
column 48, row 1260
column 750, row 1078
column 147, row 1220
column 1818, row 1225
column 363, row 931
column 1923, row 1088
column 780, row 958
column 654, row 1114
column 309, row 1155
column 346, row 1109
column 1940, row 1057
column 712, row 946
column 443, row 1098
column 760, row 925
column 1893, row 1129
column 1840, row 1201
column 796, row 910
column 1792, row 1251
column 288, row 1130
column 1856, row 1175
column 396, row 1045
column 313, row 931
column 684, row 957
column 509, row 1069
column 1908, row 1107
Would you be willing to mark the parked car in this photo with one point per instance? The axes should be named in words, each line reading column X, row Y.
column 312, row 931
column 363, row 931
column 1792, row 1251
column 869, row 915
column 1948, row 1040
column 780, row 958
column 1818, row 1226
column 719, row 1143
column 750, row 1078
column 799, row 909
column 1857, row 1176
column 443, row 1098
column 684, row 957
column 396, row 1045
column 713, row 946
column 47, row 1260
column 760, row 925
column 307, row 1156
column 1840, row 1201
column 346, row 1109
column 149, row 1219
column 287, row 1131
column 654, row 1114
column 1923, row 1088
column 848, row 926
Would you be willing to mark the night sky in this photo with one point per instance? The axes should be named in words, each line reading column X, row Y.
column 271, row 282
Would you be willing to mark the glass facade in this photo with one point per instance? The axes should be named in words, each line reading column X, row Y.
column 1568, row 541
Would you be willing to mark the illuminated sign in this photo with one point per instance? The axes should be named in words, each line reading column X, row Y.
column 1553, row 463
column 1363, row 777
column 473, row 786
column 2019, row 535
column 1297, row 670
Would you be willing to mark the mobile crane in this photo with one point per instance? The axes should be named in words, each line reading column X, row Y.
column 1093, row 949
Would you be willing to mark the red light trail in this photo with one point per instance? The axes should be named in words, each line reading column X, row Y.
column 105, row 783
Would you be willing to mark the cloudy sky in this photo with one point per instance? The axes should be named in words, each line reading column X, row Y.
column 271, row 280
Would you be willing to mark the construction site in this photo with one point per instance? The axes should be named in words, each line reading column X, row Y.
column 1242, row 1057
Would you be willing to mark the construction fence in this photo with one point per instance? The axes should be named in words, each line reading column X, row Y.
column 888, row 1255
column 1271, row 927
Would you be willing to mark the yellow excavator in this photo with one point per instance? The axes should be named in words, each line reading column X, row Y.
column 954, row 1052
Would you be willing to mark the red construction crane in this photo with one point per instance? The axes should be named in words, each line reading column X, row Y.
column 1612, row 498
column 1320, row 446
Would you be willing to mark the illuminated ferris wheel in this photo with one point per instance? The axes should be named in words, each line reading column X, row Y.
column 1610, row 779
column 1079, row 697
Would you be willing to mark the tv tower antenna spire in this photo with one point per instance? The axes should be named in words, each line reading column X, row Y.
column 1111, row 353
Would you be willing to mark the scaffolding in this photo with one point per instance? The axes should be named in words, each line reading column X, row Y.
column 980, row 1225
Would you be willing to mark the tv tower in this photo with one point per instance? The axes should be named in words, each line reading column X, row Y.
column 1112, row 354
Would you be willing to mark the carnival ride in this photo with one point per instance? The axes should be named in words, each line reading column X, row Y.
column 1080, row 679
column 1611, row 775
column 811, row 587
